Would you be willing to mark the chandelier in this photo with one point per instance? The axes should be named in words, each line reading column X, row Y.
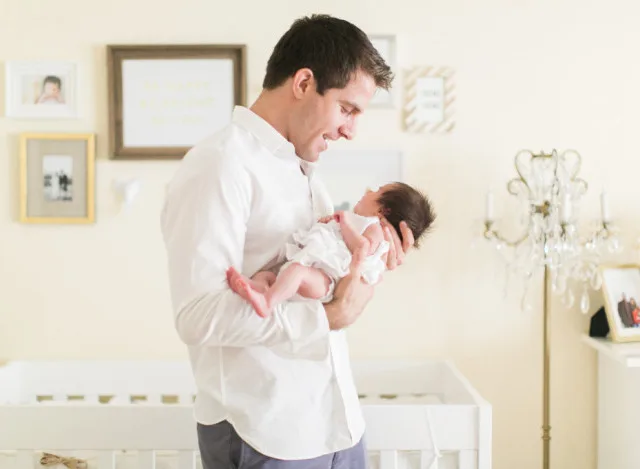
column 549, row 191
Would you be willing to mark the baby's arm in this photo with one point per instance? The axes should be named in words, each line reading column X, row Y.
column 374, row 234
column 354, row 240
column 369, row 240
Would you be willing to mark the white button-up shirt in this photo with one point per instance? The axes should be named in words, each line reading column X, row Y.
column 283, row 382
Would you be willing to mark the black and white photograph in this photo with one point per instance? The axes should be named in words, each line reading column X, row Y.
column 57, row 178
column 57, row 172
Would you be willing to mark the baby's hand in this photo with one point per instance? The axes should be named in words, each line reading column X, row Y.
column 326, row 219
column 339, row 216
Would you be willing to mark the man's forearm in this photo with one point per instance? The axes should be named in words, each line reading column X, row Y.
column 225, row 319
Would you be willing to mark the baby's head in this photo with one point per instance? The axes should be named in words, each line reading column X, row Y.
column 399, row 202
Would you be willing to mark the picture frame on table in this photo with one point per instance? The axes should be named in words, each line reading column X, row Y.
column 621, row 294
column 57, row 178
column 163, row 99
column 386, row 45
column 41, row 90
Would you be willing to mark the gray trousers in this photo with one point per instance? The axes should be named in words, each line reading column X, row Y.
column 222, row 448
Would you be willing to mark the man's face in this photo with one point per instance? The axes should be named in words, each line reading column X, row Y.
column 318, row 119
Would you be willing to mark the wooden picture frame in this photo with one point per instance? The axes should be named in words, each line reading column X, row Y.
column 57, row 178
column 621, row 295
column 165, row 98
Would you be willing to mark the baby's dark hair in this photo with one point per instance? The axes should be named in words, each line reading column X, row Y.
column 401, row 202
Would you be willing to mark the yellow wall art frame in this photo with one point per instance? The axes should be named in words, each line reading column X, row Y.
column 57, row 178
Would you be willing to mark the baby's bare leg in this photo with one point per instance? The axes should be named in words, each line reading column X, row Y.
column 262, row 280
column 308, row 282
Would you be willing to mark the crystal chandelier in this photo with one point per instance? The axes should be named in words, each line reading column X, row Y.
column 549, row 190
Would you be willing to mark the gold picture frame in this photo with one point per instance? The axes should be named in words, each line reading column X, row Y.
column 163, row 99
column 621, row 294
column 57, row 178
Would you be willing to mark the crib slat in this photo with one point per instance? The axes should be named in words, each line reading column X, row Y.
column 147, row 460
column 186, row 460
column 24, row 459
column 388, row 460
column 107, row 460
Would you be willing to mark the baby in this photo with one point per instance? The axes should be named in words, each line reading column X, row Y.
column 317, row 258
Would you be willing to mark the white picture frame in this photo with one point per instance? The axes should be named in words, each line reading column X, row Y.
column 41, row 89
column 621, row 294
column 386, row 45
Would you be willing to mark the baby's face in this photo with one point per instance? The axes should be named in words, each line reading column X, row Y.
column 51, row 89
column 368, row 205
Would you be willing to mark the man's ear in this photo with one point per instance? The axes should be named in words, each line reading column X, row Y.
column 303, row 82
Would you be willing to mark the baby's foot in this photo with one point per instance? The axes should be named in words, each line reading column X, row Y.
column 242, row 286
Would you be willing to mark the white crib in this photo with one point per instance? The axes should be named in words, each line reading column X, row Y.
column 138, row 415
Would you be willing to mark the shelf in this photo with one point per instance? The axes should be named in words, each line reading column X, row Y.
column 626, row 353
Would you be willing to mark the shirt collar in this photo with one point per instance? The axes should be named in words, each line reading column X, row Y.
column 272, row 140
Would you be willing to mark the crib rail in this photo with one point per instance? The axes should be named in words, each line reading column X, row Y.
column 125, row 426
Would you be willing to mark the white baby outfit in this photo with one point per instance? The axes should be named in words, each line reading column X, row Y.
column 323, row 247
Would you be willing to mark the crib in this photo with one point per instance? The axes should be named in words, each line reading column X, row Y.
column 138, row 415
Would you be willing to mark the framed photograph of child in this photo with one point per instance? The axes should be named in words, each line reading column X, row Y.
column 41, row 90
column 57, row 178
column 621, row 291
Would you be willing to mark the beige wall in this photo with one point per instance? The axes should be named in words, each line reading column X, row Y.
column 537, row 75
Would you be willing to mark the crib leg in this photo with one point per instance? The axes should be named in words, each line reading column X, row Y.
column 468, row 459
column 147, row 460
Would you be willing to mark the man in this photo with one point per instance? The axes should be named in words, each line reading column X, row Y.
column 273, row 392
column 625, row 311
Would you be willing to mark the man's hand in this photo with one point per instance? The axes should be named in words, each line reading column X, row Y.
column 350, row 297
column 397, row 248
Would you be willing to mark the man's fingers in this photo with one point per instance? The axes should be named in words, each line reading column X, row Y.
column 407, row 236
column 392, row 261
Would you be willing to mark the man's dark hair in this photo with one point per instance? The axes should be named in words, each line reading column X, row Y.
column 401, row 202
column 334, row 50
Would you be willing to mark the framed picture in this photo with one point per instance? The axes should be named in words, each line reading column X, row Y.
column 163, row 99
column 57, row 178
column 429, row 98
column 386, row 46
column 621, row 291
column 347, row 174
column 41, row 90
